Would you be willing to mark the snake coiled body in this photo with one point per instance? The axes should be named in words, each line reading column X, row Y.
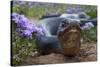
column 62, row 34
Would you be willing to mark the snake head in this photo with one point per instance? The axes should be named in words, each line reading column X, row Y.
column 69, row 37
column 68, row 23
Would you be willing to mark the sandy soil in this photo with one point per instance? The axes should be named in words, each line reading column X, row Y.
column 87, row 53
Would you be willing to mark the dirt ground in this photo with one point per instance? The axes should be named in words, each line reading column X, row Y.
column 87, row 53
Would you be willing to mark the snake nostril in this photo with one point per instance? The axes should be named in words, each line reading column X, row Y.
column 63, row 25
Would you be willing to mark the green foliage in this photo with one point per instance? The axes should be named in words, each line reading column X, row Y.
column 29, row 12
column 92, row 14
column 16, row 9
column 91, row 11
column 90, row 35
column 37, row 12
column 21, row 47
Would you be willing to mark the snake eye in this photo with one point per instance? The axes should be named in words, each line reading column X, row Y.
column 64, row 24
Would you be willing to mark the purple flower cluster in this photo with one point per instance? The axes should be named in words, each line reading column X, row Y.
column 24, row 27
column 87, row 26
column 71, row 10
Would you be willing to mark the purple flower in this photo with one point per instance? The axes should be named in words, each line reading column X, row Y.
column 71, row 10
column 31, row 27
column 25, row 28
column 27, row 34
column 14, row 17
column 22, row 21
column 40, row 30
column 18, row 30
column 87, row 26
